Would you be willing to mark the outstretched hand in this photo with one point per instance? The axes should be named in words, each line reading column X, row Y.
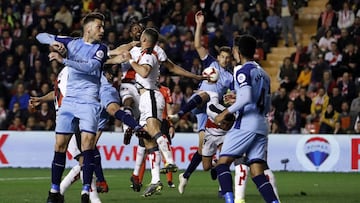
column 199, row 17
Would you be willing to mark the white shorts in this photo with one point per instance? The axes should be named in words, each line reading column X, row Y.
column 128, row 90
column 151, row 105
column 211, row 143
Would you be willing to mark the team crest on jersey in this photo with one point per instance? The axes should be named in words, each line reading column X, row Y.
column 241, row 78
column 100, row 54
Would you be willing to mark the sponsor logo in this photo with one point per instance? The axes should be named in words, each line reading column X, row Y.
column 319, row 153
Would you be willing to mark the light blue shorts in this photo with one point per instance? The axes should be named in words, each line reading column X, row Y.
column 71, row 110
column 237, row 142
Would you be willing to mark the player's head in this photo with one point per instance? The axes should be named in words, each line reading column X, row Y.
column 93, row 26
column 149, row 37
column 136, row 28
column 246, row 45
column 224, row 57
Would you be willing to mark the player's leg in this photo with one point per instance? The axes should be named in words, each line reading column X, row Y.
column 240, row 179
column 196, row 100
column 271, row 177
column 149, row 101
column 257, row 156
column 154, row 161
column 101, row 184
column 87, row 146
column 165, row 126
column 140, row 157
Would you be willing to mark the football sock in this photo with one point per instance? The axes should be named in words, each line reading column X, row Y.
column 70, row 178
column 142, row 171
column 140, row 152
column 229, row 197
column 88, row 169
column 154, row 160
column 224, row 177
column 98, row 167
column 265, row 188
column 94, row 195
column 57, row 169
column 126, row 118
column 270, row 176
column 194, row 163
column 196, row 100
column 164, row 147
column 241, row 174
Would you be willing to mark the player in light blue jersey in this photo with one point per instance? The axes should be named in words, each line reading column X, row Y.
column 250, row 130
column 85, row 58
column 209, row 92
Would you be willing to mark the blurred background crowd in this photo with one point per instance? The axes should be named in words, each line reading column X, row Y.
column 318, row 83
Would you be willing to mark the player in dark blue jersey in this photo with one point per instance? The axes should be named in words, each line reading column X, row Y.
column 250, row 130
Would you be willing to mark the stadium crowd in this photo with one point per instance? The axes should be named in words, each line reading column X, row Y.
column 318, row 83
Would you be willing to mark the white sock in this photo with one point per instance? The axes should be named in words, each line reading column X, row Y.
column 165, row 148
column 94, row 195
column 240, row 179
column 70, row 178
column 154, row 160
column 140, row 153
column 270, row 175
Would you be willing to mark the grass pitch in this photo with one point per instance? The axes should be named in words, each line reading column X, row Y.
column 19, row 185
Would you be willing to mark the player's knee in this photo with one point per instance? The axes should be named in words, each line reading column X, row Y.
column 207, row 164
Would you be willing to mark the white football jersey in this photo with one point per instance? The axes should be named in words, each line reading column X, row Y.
column 60, row 87
column 150, row 82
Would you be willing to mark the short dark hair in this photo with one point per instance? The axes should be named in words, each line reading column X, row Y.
column 92, row 16
column 247, row 46
column 153, row 34
column 225, row 49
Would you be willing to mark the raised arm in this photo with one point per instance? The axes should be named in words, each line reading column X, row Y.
column 199, row 19
column 124, row 47
column 172, row 67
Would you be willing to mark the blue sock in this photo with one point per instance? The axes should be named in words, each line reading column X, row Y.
column 88, row 167
column 224, row 177
column 98, row 168
column 194, row 163
column 196, row 100
column 126, row 118
column 265, row 188
column 57, row 169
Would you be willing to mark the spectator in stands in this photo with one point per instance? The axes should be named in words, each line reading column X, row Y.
column 44, row 114
column 303, row 105
column 35, row 84
column 19, row 32
column 17, row 125
column 326, row 40
column 3, row 113
column 259, row 13
column 355, row 30
column 216, row 42
column 29, row 18
column 20, row 53
column 287, row 74
column 274, row 21
column 351, row 59
column 8, row 72
column 334, row 58
column 344, row 39
column 287, row 11
column 355, row 105
column 31, row 124
column 357, row 125
column 328, row 120
column 21, row 97
column 347, row 87
column 336, row 99
column 299, row 58
column 345, row 117
column 327, row 82
column 44, row 26
column 16, row 112
column 174, row 49
column 167, row 28
column 131, row 13
column 310, row 46
column 318, row 106
column 190, row 17
column 279, row 102
column 304, row 79
column 177, row 15
column 346, row 16
column 327, row 20
column 6, row 40
column 267, row 38
column 239, row 16
column 337, row 129
column 177, row 97
column 291, row 119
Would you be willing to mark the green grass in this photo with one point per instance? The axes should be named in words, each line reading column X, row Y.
column 31, row 185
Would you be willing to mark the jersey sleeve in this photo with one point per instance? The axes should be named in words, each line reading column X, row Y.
column 242, row 77
column 167, row 94
column 147, row 59
column 161, row 55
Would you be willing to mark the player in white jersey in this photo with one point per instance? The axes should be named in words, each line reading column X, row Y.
column 249, row 133
column 128, row 92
